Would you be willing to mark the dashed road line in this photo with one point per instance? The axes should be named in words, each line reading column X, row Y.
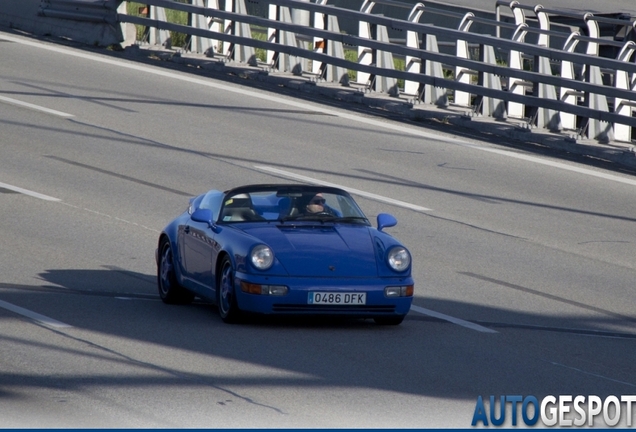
column 35, row 107
column 42, row 319
column 458, row 321
column 28, row 192
column 359, row 192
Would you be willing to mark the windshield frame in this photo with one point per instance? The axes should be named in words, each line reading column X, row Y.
column 268, row 203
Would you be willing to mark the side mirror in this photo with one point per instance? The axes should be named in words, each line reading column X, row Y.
column 386, row 220
column 202, row 215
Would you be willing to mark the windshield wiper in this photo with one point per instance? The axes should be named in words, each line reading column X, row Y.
column 288, row 218
column 352, row 219
column 310, row 217
column 324, row 218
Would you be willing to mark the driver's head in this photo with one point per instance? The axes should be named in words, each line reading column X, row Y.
column 316, row 204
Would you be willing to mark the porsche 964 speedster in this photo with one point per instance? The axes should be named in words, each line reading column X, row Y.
column 285, row 249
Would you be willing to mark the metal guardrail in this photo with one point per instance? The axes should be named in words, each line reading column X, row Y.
column 480, row 81
column 88, row 11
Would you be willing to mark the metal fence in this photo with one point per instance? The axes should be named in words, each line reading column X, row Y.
column 557, row 81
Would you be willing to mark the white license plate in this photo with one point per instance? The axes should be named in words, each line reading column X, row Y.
column 337, row 298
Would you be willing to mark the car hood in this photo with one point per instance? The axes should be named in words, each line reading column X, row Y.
column 320, row 250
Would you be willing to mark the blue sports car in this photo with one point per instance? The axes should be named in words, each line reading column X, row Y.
column 285, row 249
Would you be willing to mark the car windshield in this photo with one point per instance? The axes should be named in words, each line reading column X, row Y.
column 285, row 203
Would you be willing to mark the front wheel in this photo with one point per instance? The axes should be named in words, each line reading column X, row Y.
column 391, row 320
column 169, row 289
column 225, row 295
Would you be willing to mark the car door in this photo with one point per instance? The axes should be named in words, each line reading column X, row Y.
column 198, row 241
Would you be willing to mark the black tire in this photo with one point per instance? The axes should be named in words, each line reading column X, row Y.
column 225, row 295
column 392, row 320
column 169, row 289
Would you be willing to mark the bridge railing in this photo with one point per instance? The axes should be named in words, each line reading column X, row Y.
column 487, row 74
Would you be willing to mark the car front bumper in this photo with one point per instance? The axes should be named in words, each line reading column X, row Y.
column 296, row 301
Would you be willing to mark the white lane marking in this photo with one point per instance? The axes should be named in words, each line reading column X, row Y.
column 454, row 320
column 28, row 192
column 35, row 107
column 348, row 116
column 111, row 217
column 348, row 189
column 50, row 198
column 33, row 315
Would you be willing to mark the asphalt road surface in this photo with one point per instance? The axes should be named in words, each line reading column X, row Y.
column 523, row 262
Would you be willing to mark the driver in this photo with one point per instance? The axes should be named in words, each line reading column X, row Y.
column 316, row 204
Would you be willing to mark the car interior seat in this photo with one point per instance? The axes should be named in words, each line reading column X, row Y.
column 239, row 208
column 284, row 207
column 298, row 206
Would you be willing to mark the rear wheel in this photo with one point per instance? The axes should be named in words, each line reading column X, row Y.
column 169, row 289
column 225, row 295
column 392, row 320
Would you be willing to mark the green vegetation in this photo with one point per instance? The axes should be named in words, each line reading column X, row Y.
column 172, row 16
column 400, row 65
column 260, row 34
column 352, row 56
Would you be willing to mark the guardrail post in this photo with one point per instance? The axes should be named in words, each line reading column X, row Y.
column 286, row 62
column 335, row 49
column 626, row 82
column 281, row 61
column 549, row 119
column 602, row 131
column 156, row 36
column 427, row 93
column 488, row 106
column 272, row 35
column 329, row 73
column 320, row 45
column 432, row 94
column 385, row 61
column 568, row 95
column 515, row 61
column 228, row 26
column 544, row 24
column 301, row 17
column 516, row 85
column 199, row 44
column 366, row 56
column 413, row 64
column 240, row 53
column 461, row 74
column 546, row 118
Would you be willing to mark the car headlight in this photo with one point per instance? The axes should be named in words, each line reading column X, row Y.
column 398, row 258
column 262, row 257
